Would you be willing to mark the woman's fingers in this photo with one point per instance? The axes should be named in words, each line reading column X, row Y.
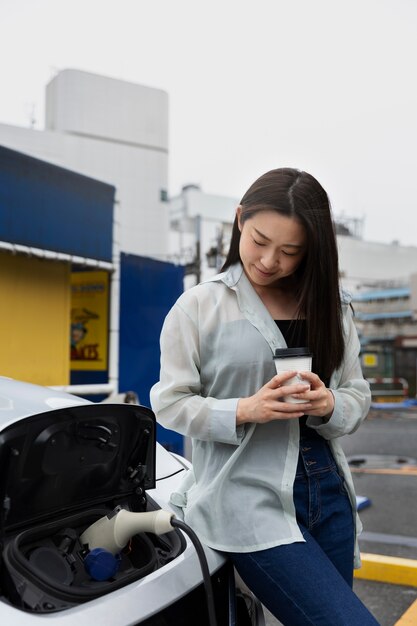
column 269, row 402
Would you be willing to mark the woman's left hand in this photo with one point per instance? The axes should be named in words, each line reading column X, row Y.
column 319, row 396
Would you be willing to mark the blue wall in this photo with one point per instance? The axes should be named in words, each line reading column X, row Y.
column 52, row 208
column 148, row 289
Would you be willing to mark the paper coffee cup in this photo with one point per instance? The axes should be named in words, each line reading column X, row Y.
column 293, row 360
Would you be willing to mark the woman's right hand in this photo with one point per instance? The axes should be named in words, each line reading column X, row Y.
column 267, row 404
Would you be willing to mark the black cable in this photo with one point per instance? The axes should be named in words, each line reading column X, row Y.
column 204, row 568
column 169, row 475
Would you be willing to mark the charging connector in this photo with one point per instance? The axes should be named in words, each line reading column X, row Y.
column 112, row 533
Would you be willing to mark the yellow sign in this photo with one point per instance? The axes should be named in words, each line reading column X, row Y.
column 370, row 359
column 89, row 320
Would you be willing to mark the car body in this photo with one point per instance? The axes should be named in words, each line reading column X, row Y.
column 64, row 461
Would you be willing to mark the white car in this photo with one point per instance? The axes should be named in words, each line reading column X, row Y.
column 68, row 466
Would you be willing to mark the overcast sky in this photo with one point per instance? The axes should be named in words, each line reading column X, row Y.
column 323, row 85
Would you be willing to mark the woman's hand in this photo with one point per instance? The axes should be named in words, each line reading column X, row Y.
column 267, row 404
column 320, row 398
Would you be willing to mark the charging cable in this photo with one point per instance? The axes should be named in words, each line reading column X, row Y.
column 204, row 568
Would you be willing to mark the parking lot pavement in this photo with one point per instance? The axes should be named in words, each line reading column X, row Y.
column 386, row 602
column 385, row 471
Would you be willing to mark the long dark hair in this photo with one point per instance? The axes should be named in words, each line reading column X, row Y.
column 299, row 195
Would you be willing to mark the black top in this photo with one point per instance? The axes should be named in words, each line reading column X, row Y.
column 294, row 332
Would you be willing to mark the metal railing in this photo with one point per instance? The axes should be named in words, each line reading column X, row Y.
column 386, row 389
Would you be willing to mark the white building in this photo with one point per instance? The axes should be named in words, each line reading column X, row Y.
column 117, row 132
column 196, row 216
column 201, row 224
column 113, row 131
column 369, row 264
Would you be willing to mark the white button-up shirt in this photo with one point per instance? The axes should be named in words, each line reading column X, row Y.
column 217, row 345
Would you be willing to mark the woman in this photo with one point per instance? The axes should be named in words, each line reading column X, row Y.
column 270, row 485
